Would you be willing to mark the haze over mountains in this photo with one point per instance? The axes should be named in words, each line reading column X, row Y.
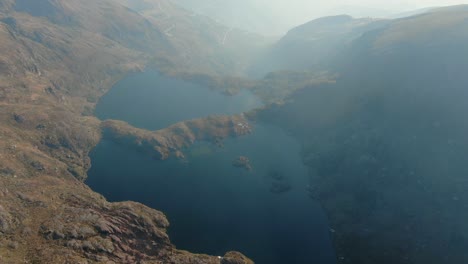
column 377, row 104
column 275, row 18
column 387, row 130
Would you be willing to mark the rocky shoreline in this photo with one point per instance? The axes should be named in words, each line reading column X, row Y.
column 172, row 141
column 52, row 72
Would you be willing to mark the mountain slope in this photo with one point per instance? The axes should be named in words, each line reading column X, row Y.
column 200, row 41
column 58, row 57
column 386, row 145
column 315, row 45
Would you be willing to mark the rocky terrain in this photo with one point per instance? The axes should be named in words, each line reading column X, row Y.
column 45, row 219
column 242, row 162
column 58, row 57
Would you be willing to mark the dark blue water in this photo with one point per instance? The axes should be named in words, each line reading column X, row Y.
column 213, row 206
column 153, row 101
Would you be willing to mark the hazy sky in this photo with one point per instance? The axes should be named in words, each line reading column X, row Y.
column 278, row 16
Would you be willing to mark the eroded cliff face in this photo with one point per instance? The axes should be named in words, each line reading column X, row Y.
column 52, row 71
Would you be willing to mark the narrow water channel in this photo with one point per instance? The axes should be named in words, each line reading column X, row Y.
column 213, row 206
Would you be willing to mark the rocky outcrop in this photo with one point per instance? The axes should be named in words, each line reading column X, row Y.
column 242, row 162
column 6, row 221
column 235, row 258
column 123, row 232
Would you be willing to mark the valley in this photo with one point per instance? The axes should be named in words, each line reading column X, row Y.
column 342, row 142
column 186, row 170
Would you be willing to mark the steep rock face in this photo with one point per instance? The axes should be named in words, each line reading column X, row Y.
column 386, row 145
column 52, row 71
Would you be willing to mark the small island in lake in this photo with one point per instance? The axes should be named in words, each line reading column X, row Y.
column 242, row 162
